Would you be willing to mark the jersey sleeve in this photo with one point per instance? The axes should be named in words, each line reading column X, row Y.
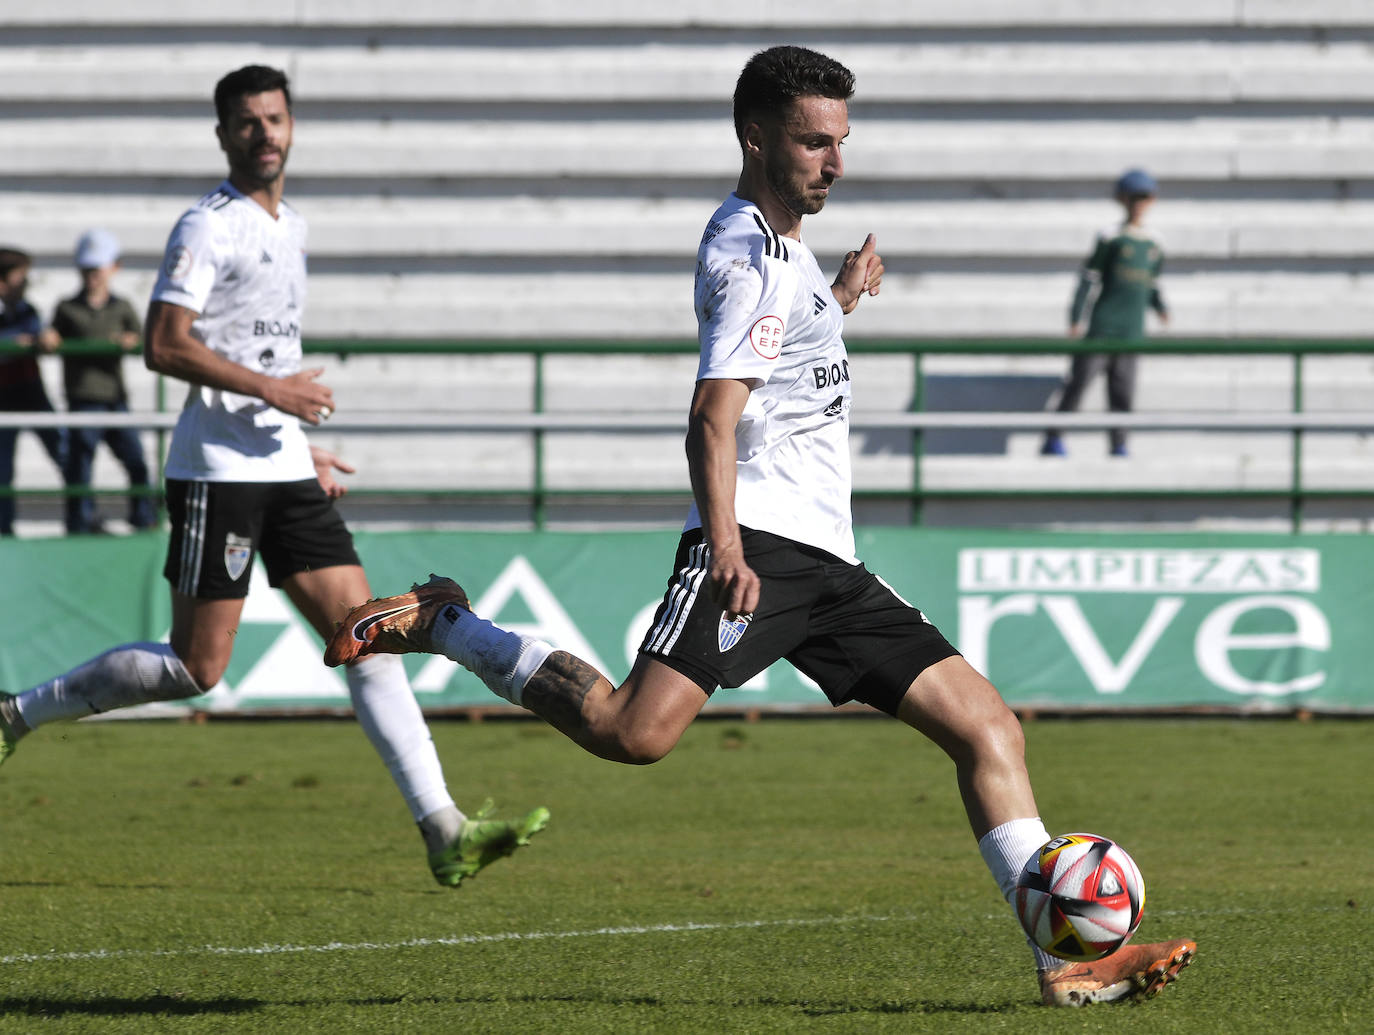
column 1089, row 277
column 1100, row 255
column 188, row 266
column 743, row 306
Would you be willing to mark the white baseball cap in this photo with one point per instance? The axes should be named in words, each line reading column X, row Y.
column 97, row 249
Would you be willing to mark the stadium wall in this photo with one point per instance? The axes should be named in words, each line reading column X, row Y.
column 1060, row 622
column 537, row 169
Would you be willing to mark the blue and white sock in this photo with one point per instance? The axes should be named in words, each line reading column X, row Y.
column 503, row 660
column 122, row 677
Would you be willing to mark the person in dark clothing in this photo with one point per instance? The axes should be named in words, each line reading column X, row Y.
column 1123, row 270
column 21, row 385
column 95, row 383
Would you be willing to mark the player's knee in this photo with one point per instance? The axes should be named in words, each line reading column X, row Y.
column 641, row 747
column 204, row 672
column 1000, row 736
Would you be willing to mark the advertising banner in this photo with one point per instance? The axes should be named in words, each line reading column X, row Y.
column 1058, row 621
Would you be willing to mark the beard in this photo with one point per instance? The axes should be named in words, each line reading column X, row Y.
column 246, row 167
column 793, row 195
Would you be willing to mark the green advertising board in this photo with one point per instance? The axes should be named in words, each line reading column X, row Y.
column 1059, row 621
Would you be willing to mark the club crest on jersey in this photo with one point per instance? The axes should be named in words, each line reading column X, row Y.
column 178, row 262
column 766, row 336
column 731, row 628
column 238, row 551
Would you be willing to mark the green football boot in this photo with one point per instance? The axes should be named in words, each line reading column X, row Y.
column 482, row 841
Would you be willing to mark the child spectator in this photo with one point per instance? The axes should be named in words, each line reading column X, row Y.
column 1123, row 266
column 95, row 383
column 21, row 385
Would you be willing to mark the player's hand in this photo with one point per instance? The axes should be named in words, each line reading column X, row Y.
column 301, row 396
column 734, row 585
column 860, row 274
column 326, row 463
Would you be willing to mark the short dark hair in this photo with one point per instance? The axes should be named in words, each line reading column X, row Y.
column 245, row 82
column 12, row 259
column 776, row 77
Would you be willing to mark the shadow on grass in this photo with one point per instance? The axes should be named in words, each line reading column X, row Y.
column 806, row 1007
column 119, row 1006
column 920, row 1007
column 173, row 1006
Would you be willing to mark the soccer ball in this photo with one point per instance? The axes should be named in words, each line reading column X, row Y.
column 1080, row 897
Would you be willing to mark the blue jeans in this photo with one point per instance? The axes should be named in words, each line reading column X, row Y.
column 25, row 397
column 128, row 450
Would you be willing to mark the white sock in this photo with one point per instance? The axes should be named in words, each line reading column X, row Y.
column 1006, row 849
column 504, row 661
column 390, row 716
column 120, row 678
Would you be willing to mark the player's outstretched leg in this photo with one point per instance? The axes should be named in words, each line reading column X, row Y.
column 394, row 625
column 12, row 726
column 1132, row 972
column 562, row 689
column 482, row 841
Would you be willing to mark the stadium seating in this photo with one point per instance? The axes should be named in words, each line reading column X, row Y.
column 542, row 170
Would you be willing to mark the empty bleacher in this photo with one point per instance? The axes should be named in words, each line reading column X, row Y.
column 542, row 170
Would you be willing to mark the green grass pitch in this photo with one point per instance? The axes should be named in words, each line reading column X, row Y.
column 785, row 876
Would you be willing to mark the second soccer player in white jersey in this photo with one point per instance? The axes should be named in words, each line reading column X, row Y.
column 765, row 568
column 242, row 480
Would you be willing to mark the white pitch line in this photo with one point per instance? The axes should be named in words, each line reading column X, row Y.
column 529, row 936
column 419, row 943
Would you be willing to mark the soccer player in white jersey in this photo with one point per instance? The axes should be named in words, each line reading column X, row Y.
column 765, row 568
column 242, row 479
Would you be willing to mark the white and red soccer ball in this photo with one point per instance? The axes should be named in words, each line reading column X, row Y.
column 1080, row 897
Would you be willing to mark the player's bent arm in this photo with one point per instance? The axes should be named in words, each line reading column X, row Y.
column 171, row 349
column 861, row 273
column 711, row 456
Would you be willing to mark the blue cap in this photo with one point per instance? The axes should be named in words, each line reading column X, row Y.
column 97, row 249
column 1136, row 181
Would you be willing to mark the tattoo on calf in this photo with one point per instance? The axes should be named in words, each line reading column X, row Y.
column 557, row 689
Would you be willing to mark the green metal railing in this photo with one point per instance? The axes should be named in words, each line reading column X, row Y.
column 539, row 422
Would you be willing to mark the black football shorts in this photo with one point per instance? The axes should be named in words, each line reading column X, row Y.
column 218, row 527
column 838, row 623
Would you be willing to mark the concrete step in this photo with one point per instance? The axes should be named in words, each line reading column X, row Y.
column 527, row 69
column 795, row 14
column 1207, row 148
column 581, row 227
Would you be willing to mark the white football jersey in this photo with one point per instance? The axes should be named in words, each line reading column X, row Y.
column 765, row 315
column 243, row 272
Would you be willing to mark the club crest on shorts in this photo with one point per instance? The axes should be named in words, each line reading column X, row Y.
column 731, row 628
column 238, row 551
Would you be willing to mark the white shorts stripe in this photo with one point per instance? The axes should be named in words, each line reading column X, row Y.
column 903, row 599
column 193, row 537
column 683, row 595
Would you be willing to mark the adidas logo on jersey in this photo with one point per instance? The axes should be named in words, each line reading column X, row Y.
column 266, row 259
column 820, row 304
column 835, row 408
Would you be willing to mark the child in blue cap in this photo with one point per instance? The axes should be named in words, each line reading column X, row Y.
column 1123, row 269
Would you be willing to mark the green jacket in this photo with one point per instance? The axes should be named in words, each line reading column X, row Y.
column 1124, row 267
